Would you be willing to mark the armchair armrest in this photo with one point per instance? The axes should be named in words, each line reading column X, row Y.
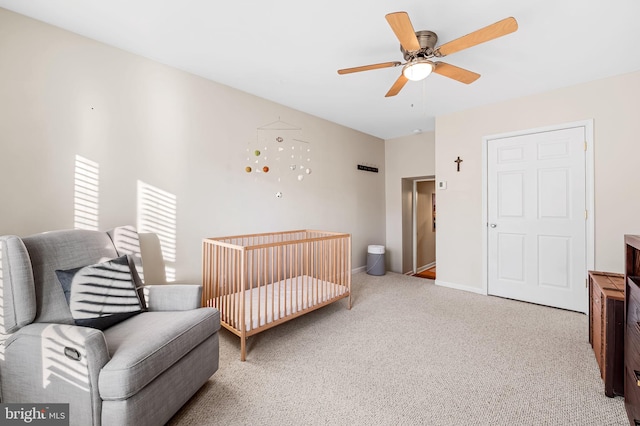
column 56, row 363
column 173, row 297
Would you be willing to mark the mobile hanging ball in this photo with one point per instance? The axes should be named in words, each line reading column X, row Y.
column 256, row 153
column 247, row 169
column 265, row 169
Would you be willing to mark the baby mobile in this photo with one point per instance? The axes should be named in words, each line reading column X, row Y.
column 279, row 153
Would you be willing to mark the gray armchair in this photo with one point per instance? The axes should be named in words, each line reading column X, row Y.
column 139, row 371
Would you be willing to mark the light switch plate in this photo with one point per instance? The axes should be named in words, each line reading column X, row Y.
column 442, row 184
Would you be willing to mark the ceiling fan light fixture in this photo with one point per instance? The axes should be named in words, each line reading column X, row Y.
column 418, row 69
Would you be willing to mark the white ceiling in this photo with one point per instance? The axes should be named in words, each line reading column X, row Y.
column 288, row 51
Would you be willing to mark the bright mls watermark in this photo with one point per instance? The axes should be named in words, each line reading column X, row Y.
column 34, row 414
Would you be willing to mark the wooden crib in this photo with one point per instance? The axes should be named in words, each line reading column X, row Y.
column 262, row 280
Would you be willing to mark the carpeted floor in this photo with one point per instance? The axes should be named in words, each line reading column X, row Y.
column 411, row 353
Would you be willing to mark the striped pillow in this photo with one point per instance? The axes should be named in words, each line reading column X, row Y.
column 100, row 295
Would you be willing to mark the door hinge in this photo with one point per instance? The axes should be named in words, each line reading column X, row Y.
column 586, row 214
column 585, row 146
column 586, row 283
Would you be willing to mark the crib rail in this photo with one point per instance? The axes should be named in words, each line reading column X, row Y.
column 258, row 281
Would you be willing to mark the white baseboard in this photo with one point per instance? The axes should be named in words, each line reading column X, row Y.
column 360, row 269
column 461, row 287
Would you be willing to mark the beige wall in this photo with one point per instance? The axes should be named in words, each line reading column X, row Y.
column 426, row 235
column 405, row 157
column 63, row 95
column 613, row 104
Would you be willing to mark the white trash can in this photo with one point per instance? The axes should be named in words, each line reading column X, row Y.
column 375, row 260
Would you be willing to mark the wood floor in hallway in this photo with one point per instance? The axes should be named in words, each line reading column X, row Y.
column 427, row 273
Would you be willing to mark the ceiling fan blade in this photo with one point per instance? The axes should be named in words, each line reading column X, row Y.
column 456, row 73
column 397, row 86
column 369, row 67
column 401, row 26
column 498, row 29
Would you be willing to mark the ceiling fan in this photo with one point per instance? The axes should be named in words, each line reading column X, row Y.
column 419, row 51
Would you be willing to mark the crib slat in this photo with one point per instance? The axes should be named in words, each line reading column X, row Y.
column 235, row 309
column 323, row 270
column 294, row 278
column 312, row 273
column 273, row 285
column 259, row 268
column 318, row 286
column 280, row 279
column 205, row 275
column 230, row 287
column 348, row 257
column 325, row 254
column 264, row 313
column 224, row 287
column 235, row 287
column 251, row 276
column 336, row 266
column 241, row 294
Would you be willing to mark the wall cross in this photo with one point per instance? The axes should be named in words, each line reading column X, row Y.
column 458, row 161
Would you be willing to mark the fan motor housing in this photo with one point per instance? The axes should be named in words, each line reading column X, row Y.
column 427, row 41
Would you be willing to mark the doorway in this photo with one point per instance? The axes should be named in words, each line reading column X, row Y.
column 418, row 224
column 424, row 216
column 538, row 206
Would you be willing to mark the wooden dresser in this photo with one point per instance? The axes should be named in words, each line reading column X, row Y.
column 632, row 329
column 606, row 328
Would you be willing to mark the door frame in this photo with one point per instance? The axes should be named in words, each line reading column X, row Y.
column 589, row 192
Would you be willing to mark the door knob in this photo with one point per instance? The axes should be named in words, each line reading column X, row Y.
column 493, row 225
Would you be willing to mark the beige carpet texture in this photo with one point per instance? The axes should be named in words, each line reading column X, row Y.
column 411, row 353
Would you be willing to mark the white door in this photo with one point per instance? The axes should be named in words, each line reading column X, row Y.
column 536, row 218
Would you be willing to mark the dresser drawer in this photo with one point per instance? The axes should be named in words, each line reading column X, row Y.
column 632, row 343
column 632, row 396
column 633, row 308
column 632, row 346
column 633, row 302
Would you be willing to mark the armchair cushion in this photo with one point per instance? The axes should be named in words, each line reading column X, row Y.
column 18, row 301
column 65, row 249
column 102, row 294
column 173, row 297
column 146, row 345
